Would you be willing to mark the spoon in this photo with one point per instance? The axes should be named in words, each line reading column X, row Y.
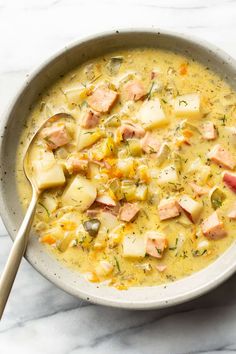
column 21, row 240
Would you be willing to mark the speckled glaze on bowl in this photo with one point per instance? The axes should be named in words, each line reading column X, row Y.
column 12, row 124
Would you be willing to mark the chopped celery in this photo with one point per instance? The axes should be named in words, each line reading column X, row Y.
column 141, row 192
column 217, row 197
column 115, row 187
column 105, row 149
column 63, row 244
column 128, row 189
column 163, row 154
column 134, row 147
column 113, row 121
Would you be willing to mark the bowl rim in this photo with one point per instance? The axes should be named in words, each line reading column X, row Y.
column 221, row 277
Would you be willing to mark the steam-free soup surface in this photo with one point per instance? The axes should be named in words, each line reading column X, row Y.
column 138, row 171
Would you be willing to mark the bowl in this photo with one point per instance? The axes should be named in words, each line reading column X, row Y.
column 11, row 211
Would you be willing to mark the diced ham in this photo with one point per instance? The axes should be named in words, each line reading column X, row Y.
column 198, row 190
column 156, row 244
column 93, row 212
column 74, row 164
column 150, row 144
column 102, row 99
column 155, row 73
column 114, row 210
column 128, row 212
column 100, row 207
column 55, row 136
column 134, row 90
column 128, row 131
column 209, row 131
column 161, row 267
column 232, row 212
column 213, row 227
column 105, row 200
column 219, row 155
column 90, row 119
column 230, row 180
column 168, row 208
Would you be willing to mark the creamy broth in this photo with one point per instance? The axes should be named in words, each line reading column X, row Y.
column 143, row 156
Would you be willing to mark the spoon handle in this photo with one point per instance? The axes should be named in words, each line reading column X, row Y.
column 16, row 254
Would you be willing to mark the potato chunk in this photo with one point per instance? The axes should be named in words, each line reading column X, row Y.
column 126, row 167
column 168, row 175
column 87, row 137
column 187, row 106
column 192, row 208
column 231, row 135
column 104, row 268
column 47, row 172
column 134, row 246
column 200, row 171
column 73, row 95
column 152, row 115
column 76, row 94
column 80, row 193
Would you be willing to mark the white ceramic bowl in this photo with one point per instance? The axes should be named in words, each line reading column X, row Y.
column 11, row 127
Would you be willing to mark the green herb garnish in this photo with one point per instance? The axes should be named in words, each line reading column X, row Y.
column 224, row 120
column 117, row 264
column 47, row 211
column 150, row 91
column 184, row 102
column 95, row 79
column 175, row 246
column 197, row 253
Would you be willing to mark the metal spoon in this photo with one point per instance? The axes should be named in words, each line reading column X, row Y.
column 21, row 240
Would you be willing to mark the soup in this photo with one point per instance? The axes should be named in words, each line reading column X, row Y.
column 137, row 166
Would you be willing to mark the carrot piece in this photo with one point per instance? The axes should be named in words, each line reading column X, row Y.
column 50, row 240
column 115, row 173
column 92, row 277
column 183, row 69
column 181, row 141
column 128, row 227
column 187, row 133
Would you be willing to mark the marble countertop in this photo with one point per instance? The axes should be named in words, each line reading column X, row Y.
column 41, row 318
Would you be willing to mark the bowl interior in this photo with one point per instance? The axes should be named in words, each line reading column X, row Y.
column 13, row 123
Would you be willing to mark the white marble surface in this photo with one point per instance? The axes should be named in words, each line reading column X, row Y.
column 41, row 318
